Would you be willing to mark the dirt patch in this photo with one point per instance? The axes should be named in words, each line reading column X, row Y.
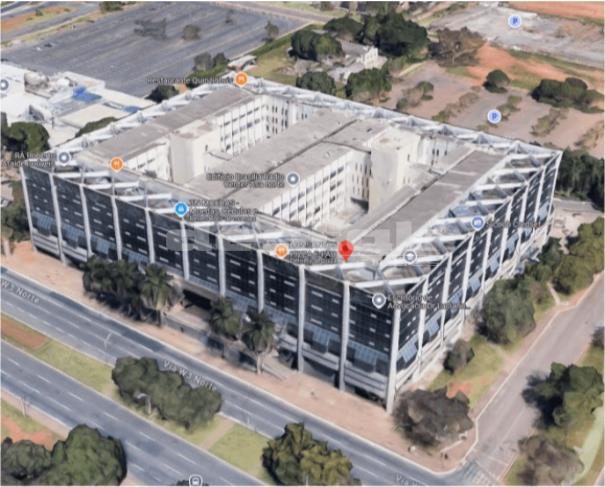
column 13, row 23
column 492, row 57
column 456, row 387
column 16, row 433
column 28, row 338
column 574, row 10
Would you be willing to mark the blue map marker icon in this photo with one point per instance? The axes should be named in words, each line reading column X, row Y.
column 181, row 209
column 478, row 222
column 494, row 116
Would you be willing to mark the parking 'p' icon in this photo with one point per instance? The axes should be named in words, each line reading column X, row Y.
column 241, row 79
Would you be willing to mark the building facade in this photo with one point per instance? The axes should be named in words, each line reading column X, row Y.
column 422, row 247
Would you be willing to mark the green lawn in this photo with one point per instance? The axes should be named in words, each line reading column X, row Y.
column 272, row 59
column 512, row 476
column 308, row 7
column 77, row 365
column 243, row 448
column 479, row 374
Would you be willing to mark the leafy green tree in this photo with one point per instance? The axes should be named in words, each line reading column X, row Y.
column 368, row 84
column 23, row 462
column 397, row 36
column 581, row 175
column 13, row 217
column 96, row 125
column 106, row 7
column 430, row 418
column 497, row 81
column 317, row 81
column 86, row 458
column 162, row 92
column 548, row 462
column 572, row 275
column 224, row 320
column 460, row 355
column 26, row 137
column 296, row 458
column 344, row 27
column 271, row 31
column 258, row 336
column 568, row 395
column 572, row 92
column 456, row 47
column 307, row 44
column 508, row 312
column 156, row 291
column 141, row 382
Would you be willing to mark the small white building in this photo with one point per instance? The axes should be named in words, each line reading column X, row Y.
column 357, row 58
column 63, row 102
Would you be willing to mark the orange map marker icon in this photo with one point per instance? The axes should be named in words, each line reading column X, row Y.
column 281, row 250
column 241, row 79
column 117, row 164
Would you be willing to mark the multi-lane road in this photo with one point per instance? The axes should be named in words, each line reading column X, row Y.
column 107, row 339
column 505, row 420
column 155, row 457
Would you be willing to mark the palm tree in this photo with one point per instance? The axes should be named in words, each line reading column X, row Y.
column 96, row 278
column 125, row 280
column 224, row 320
column 156, row 292
column 258, row 336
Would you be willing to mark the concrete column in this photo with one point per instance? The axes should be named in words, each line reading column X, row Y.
column 53, row 191
column 149, row 229
column 539, row 195
column 486, row 250
column 421, row 323
column 521, row 218
column 344, row 336
column 445, row 295
column 27, row 207
column 86, row 220
column 552, row 193
column 467, row 269
column 302, row 288
column 222, row 268
column 392, row 378
column 260, row 280
column 504, row 239
column 184, row 250
column 116, row 226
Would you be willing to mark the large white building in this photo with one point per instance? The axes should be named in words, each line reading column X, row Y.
column 436, row 214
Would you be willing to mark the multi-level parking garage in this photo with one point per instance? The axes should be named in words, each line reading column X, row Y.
column 436, row 213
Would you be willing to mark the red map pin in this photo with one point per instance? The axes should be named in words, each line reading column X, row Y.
column 345, row 248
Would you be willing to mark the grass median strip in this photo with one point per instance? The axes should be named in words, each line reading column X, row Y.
column 237, row 445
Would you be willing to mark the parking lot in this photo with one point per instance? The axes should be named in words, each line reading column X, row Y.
column 109, row 48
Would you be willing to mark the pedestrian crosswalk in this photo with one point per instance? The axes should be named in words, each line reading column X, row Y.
column 473, row 474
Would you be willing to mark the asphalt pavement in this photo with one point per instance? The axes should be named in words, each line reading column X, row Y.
column 508, row 418
column 154, row 456
column 106, row 339
column 111, row 49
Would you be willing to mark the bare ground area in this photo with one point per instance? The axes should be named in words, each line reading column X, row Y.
column 451, row 84
column 575, row 10
column 17, row 21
